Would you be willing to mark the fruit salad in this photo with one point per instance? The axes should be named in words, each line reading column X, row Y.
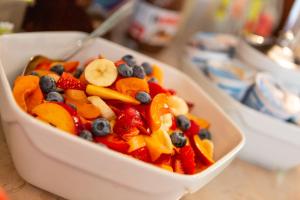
column 121, row 105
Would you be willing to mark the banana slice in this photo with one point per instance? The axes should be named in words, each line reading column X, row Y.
column 166, row 122
column 101, row 72
column 106, row 111
column 177, row 105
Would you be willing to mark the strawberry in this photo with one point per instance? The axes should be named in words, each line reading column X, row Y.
column 127, row 122
column 193, row 130
column 187, row 159
column 67, row 81
column 119, row 62
column 142, row 154
column 177, row 166
column 174, row 124
column 163, row 159
column 156, row 89
column 113, row 142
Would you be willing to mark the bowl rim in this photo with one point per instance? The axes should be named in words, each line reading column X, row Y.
column 20, row 113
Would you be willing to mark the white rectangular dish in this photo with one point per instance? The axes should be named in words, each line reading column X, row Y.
column 76, row 169
column 271, row 143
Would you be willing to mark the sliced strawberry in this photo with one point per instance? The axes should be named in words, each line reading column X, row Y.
column 70, row 66
column 187, row 159
column 127, row 122
column 164, row 159
column 156, row 89
column 142, row 154
column 174, row 124
column 67, row 81
column 119, row 62
column 177, row 166
column 113, row 142
column 193, row 130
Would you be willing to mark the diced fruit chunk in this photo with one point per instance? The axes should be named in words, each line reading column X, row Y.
column 77, row 95
column 204, row 149
column 158, row 74
column 24, row 87
column 177, row 105
column 34, row 99
column 84, row 109
column 105, row 110
column 159, row 143
column 141, row 154
column 55, row 115
column 136, row 142
column 106, row 93
column 187, row 159
column 130, row 86
column 158, row 108
column 113, row 142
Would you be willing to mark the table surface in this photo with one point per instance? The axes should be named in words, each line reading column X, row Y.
column 240, row 180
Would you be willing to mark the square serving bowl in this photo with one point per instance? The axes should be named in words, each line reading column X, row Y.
column 76, row 169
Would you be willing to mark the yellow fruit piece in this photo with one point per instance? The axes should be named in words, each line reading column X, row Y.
column 158, row 74
column 177, row 105
column 159, row 143
column 166, row 167
column 205, row 148
column 106, row 93
column 199, row 121
column 136, row 142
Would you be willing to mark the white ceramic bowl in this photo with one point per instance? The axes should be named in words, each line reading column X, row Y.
column 271, row 143
column 76, row 169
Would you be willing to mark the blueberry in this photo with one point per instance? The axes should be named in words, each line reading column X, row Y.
column 101, row 127
column 183, row 122
column 34, row 73
column 204, row 134
column 143, row 97
column 129, row 59
column 78, row 72
column 178, row 139
column 58, row 68
column 47, row 84
column 125, row 70
column 139, row 72
column 87, row 135
column 147, row 68
column 54, row 96
column 152, row 80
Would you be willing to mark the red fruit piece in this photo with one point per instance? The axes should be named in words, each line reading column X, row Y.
column 171, row 91
column 174, row 125
column 127, row 122
column 3, row 195
column 177, row 166
column 164, row 159
column 187, row 159
column 67, row 81
column 193, row 130
column 119, row 62
column 141, row 154
column 156, row 89
column 113, row 142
